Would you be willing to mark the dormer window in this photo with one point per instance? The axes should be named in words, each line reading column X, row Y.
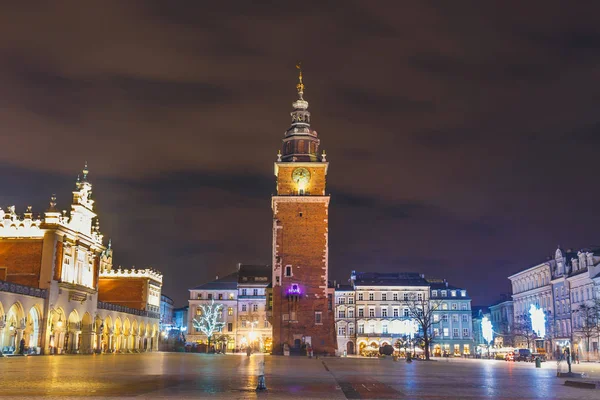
column 463, row 293
column 453, row 292
column 444, row 293
column 434, row 293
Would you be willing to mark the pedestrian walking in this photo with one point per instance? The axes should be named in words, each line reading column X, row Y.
column 22, row 346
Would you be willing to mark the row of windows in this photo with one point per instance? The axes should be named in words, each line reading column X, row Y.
column 255, row 292
column 455, row 317
column 384, row 296
column 230, row 309
column 244, row 324
column 446, row 332
column 453, row 293
column 218, row 296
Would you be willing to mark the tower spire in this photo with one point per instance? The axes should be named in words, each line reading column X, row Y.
column 300, row 142
column 300, row 85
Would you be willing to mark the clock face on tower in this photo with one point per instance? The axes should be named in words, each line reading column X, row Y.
column 301, row 176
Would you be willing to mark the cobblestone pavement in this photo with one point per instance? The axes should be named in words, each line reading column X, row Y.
column 177, row 375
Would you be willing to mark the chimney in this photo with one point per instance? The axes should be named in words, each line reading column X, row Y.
column 335, row 284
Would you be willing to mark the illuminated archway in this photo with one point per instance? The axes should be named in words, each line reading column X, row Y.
column 31, row 334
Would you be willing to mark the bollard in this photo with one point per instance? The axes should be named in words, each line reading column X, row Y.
column 538, row 362
column 262, row 386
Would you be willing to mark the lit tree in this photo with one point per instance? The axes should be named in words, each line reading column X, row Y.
column 209, row 323
column 523, row 329
column 588, row 316
column 421, row 309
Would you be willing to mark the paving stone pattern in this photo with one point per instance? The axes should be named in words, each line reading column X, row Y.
column 187, row 376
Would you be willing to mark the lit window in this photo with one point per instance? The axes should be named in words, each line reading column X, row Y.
column 444, row 293
column 446, row 332
column 230, row 296
column 453, row 292
column 230, row 311
column 220, row 296
column 454, row 306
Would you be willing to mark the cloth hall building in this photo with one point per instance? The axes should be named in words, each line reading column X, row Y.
column 58, row 289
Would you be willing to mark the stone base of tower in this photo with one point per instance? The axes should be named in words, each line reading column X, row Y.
column 303, row 331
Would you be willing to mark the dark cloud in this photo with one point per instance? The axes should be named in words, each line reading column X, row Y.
column 461, row 137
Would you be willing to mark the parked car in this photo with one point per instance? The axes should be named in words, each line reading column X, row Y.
column 522, row 355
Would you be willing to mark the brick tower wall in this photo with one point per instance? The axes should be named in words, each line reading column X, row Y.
column 300, row 240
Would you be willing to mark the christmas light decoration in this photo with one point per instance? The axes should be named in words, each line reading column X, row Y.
column 208, row 322
column 538, row 321
column 486, row 330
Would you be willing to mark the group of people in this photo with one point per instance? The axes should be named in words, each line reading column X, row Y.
column 565, row 355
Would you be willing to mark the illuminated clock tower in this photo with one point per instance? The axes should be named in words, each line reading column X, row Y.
column 302, row 312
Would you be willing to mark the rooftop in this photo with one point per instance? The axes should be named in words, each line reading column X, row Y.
column 227, row 282
column 388, row 279
column 254, row 273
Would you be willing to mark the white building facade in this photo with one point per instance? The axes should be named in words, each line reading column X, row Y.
column 243, row 298
column 50, row 273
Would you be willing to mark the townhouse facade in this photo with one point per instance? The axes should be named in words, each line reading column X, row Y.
column 243, row 298
column 376, row 310
column 452, row 329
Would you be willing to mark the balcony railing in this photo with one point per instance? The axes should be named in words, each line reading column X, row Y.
column 22, row 289
column 127, row 310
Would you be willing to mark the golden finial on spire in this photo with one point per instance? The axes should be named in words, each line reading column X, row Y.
column 300, row 85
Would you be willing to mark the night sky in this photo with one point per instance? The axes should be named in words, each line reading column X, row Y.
column 462, row 140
